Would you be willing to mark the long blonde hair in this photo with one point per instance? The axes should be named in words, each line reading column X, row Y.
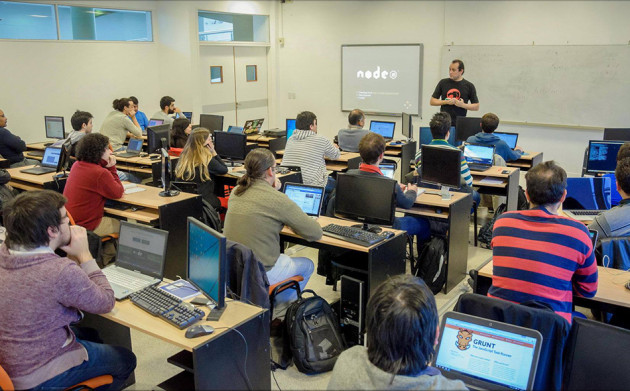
column 195, row 154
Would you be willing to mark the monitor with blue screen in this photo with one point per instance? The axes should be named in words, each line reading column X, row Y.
column 155, row 122
column 426, row 137
column 384, row 128
column 509, row 138
column 388, row 169
column 478, row 156
column 602, row 156
column 235, row 129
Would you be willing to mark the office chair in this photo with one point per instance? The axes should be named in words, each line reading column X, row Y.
column 277, row 144
column 7, row 385
column 275, row 289
column 95, row 242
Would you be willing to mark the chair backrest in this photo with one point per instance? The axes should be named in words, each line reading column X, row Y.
column 246, row 278
column 614, row 252
column 277, row 144
column 5, row 381
column 175, row 151
column 553, row 327
column 594, row 357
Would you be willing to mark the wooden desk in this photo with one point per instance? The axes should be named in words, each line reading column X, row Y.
column 212, row 362
column 221, row 181
column 144, row 165
column 352, row 159
column 508, row 186
column 23, row 181
column 36, row 146
column 4, row 163
column 527, row 161
column 611, row 292
column 455, row 212
column 377, row 262
column 406, row 152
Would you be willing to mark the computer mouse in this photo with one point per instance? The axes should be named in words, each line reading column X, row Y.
column 438, row 210
column 199, row 330
column 505, row 172
column 375, row 229
column 388, row 234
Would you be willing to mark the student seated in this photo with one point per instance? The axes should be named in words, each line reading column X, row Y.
column 120, row 123
column 616, row 221
column 92, row 180
column 12, row 146
column 349, row 138
column 199, row 163
column 140, row 116
column 168, row 112
column 180, row 131
column 402, row 331
column 81, row 125
column 256, row 214
column 489, row 123
column 42, row 296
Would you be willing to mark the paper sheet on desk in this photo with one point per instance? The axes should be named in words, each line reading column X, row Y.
column 491, row 181
column 135, row 189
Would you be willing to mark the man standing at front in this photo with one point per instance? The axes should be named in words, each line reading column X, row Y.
column 540, row 255
column 454, row 94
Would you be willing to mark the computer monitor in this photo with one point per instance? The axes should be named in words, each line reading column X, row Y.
column 155, row 134
column 602, row 156
column 479, row 157
column 290, row 126
column 155, row 122
column 211, row 122
column 384, row 128
column 207, row 262
column 167, row 174
column 235, row 129
column 54, row 127
column 252, row 126
column 622, row 134
column 188, row 115
column 441, row 166
column 64, row 157
column 407, row 126
column 466, row 127
column 509, row 138
column 369, row 199
column 231, row 146
column 426, row 137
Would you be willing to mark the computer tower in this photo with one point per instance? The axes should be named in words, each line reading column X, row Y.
column 352, row 310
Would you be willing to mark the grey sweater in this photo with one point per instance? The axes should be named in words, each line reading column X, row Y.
column 354, row 371
column 256, row 217
column 116, row 125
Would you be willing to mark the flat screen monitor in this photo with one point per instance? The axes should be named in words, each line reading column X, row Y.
column 509, row 138
column 369, row 199
column 384, row 128
column 622, row 134
column 441, row 166
column 466, row 127
column 155, row 122
column 54, row 127
column 290, row 126
column 207, row 265
column 142, row 248
column 167, row 175
column 426, row 137
column 602, row 156
column 155, row 134
column 407, row 126
column 211, row 122
column 64, row 157
column 188, row 115
column 231, row 145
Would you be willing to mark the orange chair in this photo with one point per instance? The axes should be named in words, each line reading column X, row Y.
column 175, row 151
column 7, row 385
column 289, row 283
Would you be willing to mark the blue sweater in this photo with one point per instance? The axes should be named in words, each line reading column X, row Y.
column 500, row 146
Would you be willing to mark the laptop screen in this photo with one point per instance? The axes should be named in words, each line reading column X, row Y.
column 135, row 145
column 155, row 122
column 235, row 129
column 290, row 124
column 602, row 156
column 387, row 169
column 142, row 248
column 51, row 157
column 487, row 353
column 254, row 124
column 384, row 128
column 509, row 138
column 308, row 198
column 54, row 127
column 478, row 154
column 188, row 115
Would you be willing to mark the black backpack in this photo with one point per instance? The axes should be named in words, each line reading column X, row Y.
column 432, row 263
column 485, row 233
column 312, row 333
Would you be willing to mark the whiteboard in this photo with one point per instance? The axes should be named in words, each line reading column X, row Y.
column 556, row 85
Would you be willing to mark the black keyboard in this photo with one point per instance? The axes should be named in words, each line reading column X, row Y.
column 117, row 205
column 586, row 212
column 352, row 234
column 166, row 306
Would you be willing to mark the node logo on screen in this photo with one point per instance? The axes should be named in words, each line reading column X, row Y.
column 377, row 74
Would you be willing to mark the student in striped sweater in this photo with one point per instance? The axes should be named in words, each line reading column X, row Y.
column 540, row 255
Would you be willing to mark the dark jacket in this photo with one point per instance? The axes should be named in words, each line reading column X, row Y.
column 11, row 146
column 206, row 188
column 500, row 147
column 246, row 275
column 404, row 200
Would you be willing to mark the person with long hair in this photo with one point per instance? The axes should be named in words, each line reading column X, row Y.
column 180, row 131
column 199, row 162
column 256, row 214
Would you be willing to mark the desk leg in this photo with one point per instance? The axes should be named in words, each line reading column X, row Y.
column 387, row 260
column 459, row 217
column 537, row 159
column 512, row 190
column 408, row 152
column 220, row 363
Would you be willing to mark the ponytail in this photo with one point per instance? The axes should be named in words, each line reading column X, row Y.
column 257, row 162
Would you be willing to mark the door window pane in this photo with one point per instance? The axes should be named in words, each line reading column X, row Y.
column 102, row 24
column 216, row 74
column 27, row 21
column 225, row 27
column 251, row 71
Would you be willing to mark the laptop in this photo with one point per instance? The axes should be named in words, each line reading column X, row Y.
column 587, row 197
column 140, row 259
column 478, row 157
column 188, row 114
column 155, row 122
column 253, row 126
column 384, row 128
column 509, row 138
column 388, row 169
column 133, row 148
column 486, row 354
column 308, row 198
column 49, row 163
column 235, row 129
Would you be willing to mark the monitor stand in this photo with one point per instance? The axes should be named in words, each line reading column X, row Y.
column 168, row 193
column 446, row 195
column 370, row 228
column 232, row 163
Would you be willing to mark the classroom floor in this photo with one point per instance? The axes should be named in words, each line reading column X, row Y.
column 152, row 353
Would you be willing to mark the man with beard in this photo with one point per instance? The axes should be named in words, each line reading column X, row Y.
column 168, row 111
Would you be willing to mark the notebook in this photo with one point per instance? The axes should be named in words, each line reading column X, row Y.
column 308, row 198
column 587, row 197
column 478, row 157
column 134, row 147
column 253, row 126
column 388, row 169
column 155, row 122
column 49, row 163
column 384, row 128
column 509, row 138
column 140, row 259
column 486, row 354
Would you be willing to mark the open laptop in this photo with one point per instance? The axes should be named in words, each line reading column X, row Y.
column 587, row 197
column 308, row 198
column 133, row 148
column 478, row 157
column 388, row 169
column 486, row 354
column 188, row 115
column 384, row 128
column 140, row 260
column 253, row 126
column 49, row 163
column 155, row 122
column 235, row 129
column 509, row 138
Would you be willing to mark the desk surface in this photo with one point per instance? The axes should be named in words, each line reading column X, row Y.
column 36, row 180
column 344, row 157
column 428, row 204
column 324, row 220
column 610, row 287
